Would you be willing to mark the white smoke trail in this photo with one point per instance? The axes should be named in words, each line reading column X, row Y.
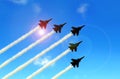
column 48, row 64
column 37, row 56
column 62, row 72
column 26, row 49
column 18, row 40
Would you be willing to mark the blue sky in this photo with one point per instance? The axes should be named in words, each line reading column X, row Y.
column 100, row 36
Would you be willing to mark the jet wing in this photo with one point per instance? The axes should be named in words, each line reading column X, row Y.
column 73, row 64
column 41, row 20
column 55, row 30
column 71, row 44
column 73, row 27
column 74, row 60
column 71, row 48
column 55, row 25
column 77, row 64
column 73, row 32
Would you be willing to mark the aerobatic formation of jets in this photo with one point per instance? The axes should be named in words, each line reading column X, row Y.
column 57, row 29
column 73, row 46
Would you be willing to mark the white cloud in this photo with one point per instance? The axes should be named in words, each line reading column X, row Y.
column 36, row 8
column 42, row 61
column 82, row 9
column 19, row 1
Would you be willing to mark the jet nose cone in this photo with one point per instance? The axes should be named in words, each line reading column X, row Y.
column 65, row 23
column 82, row 26
column 82, row 57
column 50, row 19
column 80, row 42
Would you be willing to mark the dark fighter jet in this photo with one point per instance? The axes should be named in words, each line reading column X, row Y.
column 57, row 28
column 43, row 23
column 73, row 46
column 75, row 62
column 75, row 30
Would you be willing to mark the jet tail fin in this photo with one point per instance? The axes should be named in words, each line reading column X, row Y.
column 59, row 30
column 77, row 33
column 77, row 64
column 75, row 49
